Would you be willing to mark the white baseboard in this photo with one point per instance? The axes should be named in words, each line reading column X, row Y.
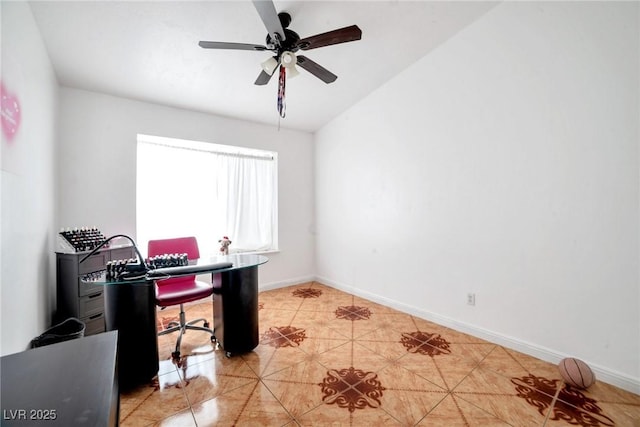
column 603, row 374
column 284, row 283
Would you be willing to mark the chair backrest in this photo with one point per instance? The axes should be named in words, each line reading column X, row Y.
column 178, row 245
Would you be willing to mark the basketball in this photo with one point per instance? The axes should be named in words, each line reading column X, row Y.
column 576, row 373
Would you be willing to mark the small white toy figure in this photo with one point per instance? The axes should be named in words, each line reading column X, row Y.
column 224, row 245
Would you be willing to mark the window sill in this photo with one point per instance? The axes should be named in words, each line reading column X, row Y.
column 265, row 252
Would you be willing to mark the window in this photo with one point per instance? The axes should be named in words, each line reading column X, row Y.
column 190, row 188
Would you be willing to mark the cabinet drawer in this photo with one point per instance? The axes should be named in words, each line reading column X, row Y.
column 94, row 324
column 91, row 304
column 95, row 262
column 88, row 288
column 122, row 253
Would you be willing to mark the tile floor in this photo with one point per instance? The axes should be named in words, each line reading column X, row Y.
column 329, row 358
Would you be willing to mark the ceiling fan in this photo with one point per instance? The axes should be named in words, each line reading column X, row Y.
column 284, row 43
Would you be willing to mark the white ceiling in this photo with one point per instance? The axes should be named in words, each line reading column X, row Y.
column 149, row 51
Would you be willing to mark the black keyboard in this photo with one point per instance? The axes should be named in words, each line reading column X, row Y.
column 185, row 270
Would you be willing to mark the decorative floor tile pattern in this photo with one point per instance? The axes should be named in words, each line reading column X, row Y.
column 328, row 358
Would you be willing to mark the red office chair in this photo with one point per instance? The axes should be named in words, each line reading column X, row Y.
column 180, row 290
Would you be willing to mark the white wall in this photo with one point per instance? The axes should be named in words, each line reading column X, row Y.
column 97, row 160
column 505, row 164
column 27, row 286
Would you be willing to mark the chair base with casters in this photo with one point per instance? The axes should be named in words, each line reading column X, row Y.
column 179, row 290
column 182, row 326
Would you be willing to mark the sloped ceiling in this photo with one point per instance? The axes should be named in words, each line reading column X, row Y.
column 149, row 51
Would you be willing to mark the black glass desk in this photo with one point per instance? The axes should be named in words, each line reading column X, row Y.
column 130, row 308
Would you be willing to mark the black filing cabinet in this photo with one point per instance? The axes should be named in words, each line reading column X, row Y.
column 71, row 383
column 81, row 300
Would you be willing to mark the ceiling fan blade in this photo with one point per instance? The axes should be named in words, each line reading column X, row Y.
column 269, row 16
column 263, row 78
column 316, row 69
column 235, row 46
column 341, row 35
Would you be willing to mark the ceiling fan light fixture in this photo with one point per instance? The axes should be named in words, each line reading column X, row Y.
column 288, row 59
column 292, row 72
column 269, row 65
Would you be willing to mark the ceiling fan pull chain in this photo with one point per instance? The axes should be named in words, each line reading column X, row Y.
column 282, row 105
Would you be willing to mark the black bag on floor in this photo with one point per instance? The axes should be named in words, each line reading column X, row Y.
column 70, row 329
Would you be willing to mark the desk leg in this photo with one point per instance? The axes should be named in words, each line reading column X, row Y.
column 235, row 309
column 131, row 310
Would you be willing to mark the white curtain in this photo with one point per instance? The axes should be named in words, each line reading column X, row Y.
column 207, row 194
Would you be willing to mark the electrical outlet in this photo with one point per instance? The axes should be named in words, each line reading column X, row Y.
column 471, row 299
